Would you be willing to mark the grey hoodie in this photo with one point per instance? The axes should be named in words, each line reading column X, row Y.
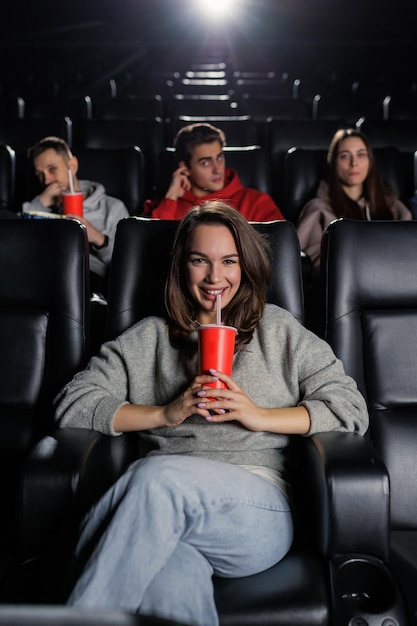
column 102, row 211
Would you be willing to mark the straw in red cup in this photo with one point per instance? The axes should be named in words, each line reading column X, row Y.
column 218, row 309
column 216, row 346
column 73, row 203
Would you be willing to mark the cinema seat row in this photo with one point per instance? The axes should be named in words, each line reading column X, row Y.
column 134, row 161
column 354, row 496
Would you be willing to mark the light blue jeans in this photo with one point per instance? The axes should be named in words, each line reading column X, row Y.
column 167, row 525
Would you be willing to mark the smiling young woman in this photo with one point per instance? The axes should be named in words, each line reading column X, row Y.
column 212, row 495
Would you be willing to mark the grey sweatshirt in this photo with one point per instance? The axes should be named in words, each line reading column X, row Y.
column 102, row 211
column 283, row 366
column 317, row 215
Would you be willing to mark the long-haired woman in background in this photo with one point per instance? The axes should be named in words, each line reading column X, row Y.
column 353, row 188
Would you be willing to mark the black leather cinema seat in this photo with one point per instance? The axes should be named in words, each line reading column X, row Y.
column 50, row 107
column 148, row 134
column 134, row 106
column 303, row 171
column 398, row 133
column 20, row 134
column 240, row 130
column 7, row 177
column 370, row 281
column 43, row 338
column 201, row 106
column 120, row 170
column 348, row 108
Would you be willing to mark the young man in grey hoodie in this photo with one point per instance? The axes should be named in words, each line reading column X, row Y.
column 54, row 164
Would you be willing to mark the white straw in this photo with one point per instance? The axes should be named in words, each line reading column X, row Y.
column 71, row 181
column 218, row 309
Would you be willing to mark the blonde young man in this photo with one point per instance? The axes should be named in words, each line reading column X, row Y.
column 54, row 163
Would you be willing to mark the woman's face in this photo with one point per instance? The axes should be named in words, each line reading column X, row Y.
column 213, row 267
column 352, row 162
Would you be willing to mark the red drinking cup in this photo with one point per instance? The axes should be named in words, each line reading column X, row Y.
column 73, row 203
column 216, row 346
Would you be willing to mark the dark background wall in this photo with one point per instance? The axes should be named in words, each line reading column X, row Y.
column 103, row 37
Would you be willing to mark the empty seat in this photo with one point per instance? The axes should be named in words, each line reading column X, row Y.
column 303, row 171
column 400, row 107
column 20, row 134
column 212, row 74
column 258, row 74
column 11, row 107
column 7, row 178
column 133, row 107
column 397, row 169
column 240, row 130
column 266, row 86
column 202, row 86
column 370, row 282
column 121, row 133
column 120, row 170
column 150, row 84
column 347, row 109
column 400, row 133
column 147, row 134
column 311, row 84
column 208, row 65
column 260, row 108
column 202, row 106
column 48, row 107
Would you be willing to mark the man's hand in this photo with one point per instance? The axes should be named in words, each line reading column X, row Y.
column 51, row 194
column 94, row 236
column 179, row 184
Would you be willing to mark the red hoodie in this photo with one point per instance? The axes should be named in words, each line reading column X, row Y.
column 252, row 204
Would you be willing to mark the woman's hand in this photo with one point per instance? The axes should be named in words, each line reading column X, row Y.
column 231, row 404
column 215, row 405
column 188, row 403
column 133, row 417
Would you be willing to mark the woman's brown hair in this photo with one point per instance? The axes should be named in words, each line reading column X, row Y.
column 246, row 308
column 378, row 195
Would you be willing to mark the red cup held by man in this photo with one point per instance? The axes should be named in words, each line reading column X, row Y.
column 72, row 203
